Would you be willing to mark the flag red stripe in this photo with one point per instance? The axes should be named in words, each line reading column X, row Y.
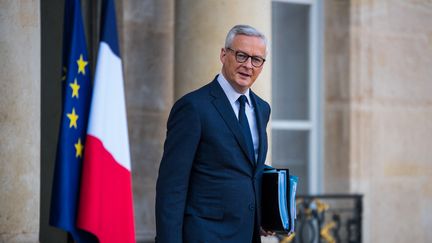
column 106, row 196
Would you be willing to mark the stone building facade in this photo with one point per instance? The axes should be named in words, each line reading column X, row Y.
column 376, row 104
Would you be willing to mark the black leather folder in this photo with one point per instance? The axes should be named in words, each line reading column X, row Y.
column 278, row 201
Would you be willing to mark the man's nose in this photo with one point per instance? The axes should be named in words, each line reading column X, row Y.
column 248, row 63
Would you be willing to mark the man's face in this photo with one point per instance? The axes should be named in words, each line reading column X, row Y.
column 242, row 75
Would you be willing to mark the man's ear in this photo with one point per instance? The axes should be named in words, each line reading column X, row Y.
column 222, row 55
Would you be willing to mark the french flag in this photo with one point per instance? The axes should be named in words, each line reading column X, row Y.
column 106, row 204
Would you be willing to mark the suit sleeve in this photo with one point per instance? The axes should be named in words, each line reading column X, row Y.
column 183, row 135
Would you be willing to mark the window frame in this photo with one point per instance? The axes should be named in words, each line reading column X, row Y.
column 314, row 124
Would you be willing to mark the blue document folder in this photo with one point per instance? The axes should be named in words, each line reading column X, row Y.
column 278, row 211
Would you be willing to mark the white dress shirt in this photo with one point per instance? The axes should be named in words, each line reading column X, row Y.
column 233, row 96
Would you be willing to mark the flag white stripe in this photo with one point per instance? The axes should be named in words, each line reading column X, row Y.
column 107, row 119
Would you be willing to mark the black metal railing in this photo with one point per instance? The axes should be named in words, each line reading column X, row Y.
column 327, row 219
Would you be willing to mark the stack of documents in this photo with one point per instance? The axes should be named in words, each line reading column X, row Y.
column 278, row 206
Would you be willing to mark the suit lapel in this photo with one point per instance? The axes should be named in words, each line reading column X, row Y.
column 261, row 128
column 224, row 108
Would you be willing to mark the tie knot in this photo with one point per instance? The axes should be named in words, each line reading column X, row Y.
column 242, row 100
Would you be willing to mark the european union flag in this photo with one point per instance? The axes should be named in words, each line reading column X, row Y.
column 76, row 85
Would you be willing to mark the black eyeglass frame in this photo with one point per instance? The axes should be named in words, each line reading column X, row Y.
column 242, row 57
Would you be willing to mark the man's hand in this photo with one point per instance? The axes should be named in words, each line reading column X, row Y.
column 266, row 233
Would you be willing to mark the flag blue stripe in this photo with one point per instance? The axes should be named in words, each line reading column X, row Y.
column 109, row 26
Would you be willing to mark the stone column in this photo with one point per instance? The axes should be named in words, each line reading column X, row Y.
column 147, row 44
column 391, row 113
column 379, row 111
column 337, row 105
column 19, row 120
column 201, row 28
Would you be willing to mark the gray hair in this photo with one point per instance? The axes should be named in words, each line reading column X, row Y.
column 244, row 30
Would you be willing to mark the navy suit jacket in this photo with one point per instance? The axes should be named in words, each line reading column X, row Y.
column 209, row 187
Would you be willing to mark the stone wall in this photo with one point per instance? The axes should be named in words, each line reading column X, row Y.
column 391, row 114
column 19, row 120
column 379, row 112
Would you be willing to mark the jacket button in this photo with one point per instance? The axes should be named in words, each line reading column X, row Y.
column 251, row 207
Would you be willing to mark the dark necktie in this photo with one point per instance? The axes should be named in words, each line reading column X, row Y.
column 244, row 124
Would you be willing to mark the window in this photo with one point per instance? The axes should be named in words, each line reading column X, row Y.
column 296, row 93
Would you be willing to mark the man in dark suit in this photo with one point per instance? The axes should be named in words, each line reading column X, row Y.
column 209, row 183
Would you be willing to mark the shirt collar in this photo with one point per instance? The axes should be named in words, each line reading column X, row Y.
column 230, row 92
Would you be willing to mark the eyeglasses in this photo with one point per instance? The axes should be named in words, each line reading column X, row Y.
column 242, row 57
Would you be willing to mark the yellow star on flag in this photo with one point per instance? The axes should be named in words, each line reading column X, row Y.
column 81, row 65
column 75, row 87
column 78, row 149
column 73, row 118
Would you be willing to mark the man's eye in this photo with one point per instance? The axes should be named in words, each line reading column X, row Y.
column 242, row 56
column 257, row 59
